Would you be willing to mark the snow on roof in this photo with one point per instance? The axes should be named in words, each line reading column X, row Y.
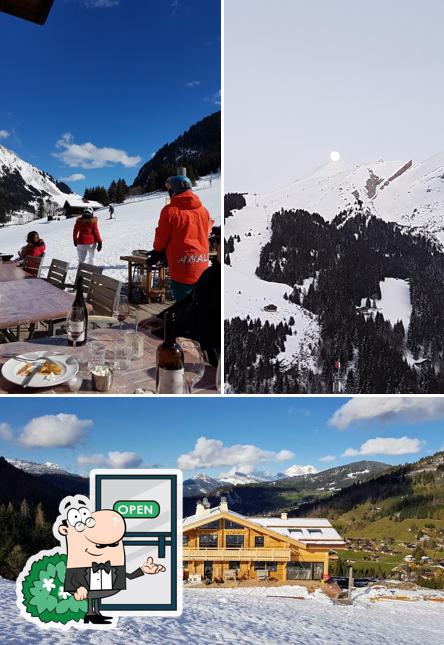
column 78, row 202
column 305, row 530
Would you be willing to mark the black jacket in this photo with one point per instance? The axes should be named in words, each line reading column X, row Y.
column 80, row 577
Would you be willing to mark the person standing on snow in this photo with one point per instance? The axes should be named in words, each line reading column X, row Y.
column 86, row 236
column 111, row 211
column 182, row 233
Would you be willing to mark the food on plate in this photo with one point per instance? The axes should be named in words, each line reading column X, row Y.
column 48, row 368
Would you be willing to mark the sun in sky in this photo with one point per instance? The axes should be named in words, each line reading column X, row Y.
column 335, row 155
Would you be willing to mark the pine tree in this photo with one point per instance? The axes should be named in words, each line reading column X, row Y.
column 40, row 208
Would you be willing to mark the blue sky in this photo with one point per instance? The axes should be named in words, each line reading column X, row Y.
column 312, row 77
column 127, row 75
column 246, row 434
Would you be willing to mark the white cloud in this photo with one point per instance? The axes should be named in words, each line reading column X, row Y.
column 5, row 432
column 386, row 446
column 192, row 83
column 215, row 98
column 77, row 176
column 387, row 408
column 327, row 458
column 113, row 459
column 87, row 155
column 54, row 431
column 100, row 4
column 211, row 453
column 4, row 134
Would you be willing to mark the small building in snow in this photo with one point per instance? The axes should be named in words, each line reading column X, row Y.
column 270, row 308
column 75, row 205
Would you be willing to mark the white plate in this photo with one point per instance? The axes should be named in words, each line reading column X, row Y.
column 69, row 364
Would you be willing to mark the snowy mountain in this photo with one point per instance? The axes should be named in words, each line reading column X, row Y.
column 200, row 484
column 33, row 468
column 404, row 191
column 21, row 184
column 296, row 471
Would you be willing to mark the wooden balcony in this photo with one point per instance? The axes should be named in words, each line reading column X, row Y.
column 225, row 555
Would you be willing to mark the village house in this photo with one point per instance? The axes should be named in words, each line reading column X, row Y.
column 218, row 542
column 75, row 205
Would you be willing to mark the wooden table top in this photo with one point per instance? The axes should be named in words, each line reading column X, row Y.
column 9, row 271
column 140, row 374
column 31, row 301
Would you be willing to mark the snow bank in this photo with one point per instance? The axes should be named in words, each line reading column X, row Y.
column 247, row 616
column 132, row 228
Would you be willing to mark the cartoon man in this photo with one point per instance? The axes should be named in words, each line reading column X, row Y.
column 95, row 565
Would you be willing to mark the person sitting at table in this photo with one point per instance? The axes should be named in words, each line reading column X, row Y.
column 198, row 315
column 182, row 233
column 34, row 246
column 86, row 236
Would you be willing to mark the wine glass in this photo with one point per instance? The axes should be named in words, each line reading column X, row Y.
column 122, row 310
column 75, row 324
column 194, row 363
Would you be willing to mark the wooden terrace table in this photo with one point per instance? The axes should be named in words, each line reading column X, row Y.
column 9, row 271
column 140, row 261
column 141, row 373
column 32, row 301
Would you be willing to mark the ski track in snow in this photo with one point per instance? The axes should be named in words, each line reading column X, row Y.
column 133, row 227
column 248, row 616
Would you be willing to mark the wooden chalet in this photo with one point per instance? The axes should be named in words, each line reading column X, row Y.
column 33, row 10
column 218, row 542
column 75, row 205
column 270, row 308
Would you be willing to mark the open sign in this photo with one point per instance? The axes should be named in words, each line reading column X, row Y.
column 137, row 509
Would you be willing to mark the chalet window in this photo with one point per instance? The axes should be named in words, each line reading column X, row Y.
column 259, row 540
column 211, row 525
column 234, row 565
column 268, row 566
column 315, row 531
column 185, row 540
column 232, row 525
column 296, row 531
column 304, row 570
column 208, row 541
column 234, row 541
column 185, row 564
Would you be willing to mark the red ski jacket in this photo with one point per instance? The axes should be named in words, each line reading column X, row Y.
column 182, row 231
column 36, row 250
column 86, row 231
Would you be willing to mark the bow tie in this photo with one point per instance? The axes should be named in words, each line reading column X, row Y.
column 104, row 567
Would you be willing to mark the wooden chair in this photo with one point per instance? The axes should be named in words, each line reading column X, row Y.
column 57, row 273
column 156, row 282
column 230, row 574
column 33, row 265
column 87, row 271
column 103, row 294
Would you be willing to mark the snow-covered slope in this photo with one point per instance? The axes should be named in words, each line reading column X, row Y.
column 296, row 470
column 132, row 228
column 263, row 615
column 403, row 191
column 37, row 182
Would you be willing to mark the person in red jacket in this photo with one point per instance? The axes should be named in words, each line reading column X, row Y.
column 182, row 233
column 34, row 246
column 86, row 236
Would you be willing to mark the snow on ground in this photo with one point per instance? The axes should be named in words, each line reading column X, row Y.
column 246, row 294
column 395, row 303
column 253, row 615
column 132, row 228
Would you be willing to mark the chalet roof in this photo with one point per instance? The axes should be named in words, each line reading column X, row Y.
column 74, row 201
column 34, row 10
column 298, row 529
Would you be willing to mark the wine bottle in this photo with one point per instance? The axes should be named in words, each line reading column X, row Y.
column 170, row 361
column 80, row 326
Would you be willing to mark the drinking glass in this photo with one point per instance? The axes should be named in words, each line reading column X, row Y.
column 218, row 376
column 193, row 362
column 122, row 310
column 121, row 354
column 96, row 354
column 75, row 324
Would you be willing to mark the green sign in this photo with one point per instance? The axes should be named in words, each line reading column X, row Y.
column 137, row 509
